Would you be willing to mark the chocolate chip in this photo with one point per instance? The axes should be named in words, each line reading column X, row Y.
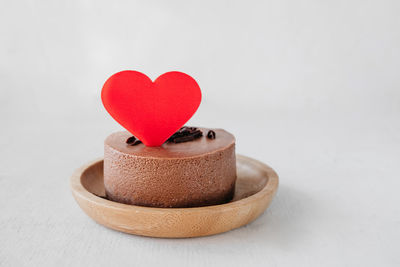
column 132, row 141
column 211, row 134
column 185, row 134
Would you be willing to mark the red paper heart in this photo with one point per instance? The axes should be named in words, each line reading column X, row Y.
column 151, row 111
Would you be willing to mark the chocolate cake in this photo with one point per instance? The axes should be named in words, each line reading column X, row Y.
column 195, row 167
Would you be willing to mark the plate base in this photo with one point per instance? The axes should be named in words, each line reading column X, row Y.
column 256, row 185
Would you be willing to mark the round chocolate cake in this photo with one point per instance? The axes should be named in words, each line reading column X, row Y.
column 195, row 167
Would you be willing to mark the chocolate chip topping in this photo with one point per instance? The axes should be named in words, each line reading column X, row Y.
column 184, row 134
column 132, row 141
column 211, row 134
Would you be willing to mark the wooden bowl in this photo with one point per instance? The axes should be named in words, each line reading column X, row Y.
column 255, row 187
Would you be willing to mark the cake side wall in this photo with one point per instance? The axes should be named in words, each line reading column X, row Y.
column 176, row 182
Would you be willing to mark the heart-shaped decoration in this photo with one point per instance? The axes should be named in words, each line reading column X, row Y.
column 151, row 111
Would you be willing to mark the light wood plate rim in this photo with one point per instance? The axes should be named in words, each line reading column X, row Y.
column 263, row 197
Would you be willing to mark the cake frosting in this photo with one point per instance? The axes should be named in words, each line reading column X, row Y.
column 189, row 174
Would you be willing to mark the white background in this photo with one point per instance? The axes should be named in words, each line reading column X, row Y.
column 311, row 88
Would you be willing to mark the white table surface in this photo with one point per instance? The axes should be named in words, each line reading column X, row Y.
column 310, row 89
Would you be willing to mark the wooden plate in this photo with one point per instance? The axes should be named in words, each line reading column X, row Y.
column 255, row 187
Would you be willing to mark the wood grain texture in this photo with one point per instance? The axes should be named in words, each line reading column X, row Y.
column 256, row 186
